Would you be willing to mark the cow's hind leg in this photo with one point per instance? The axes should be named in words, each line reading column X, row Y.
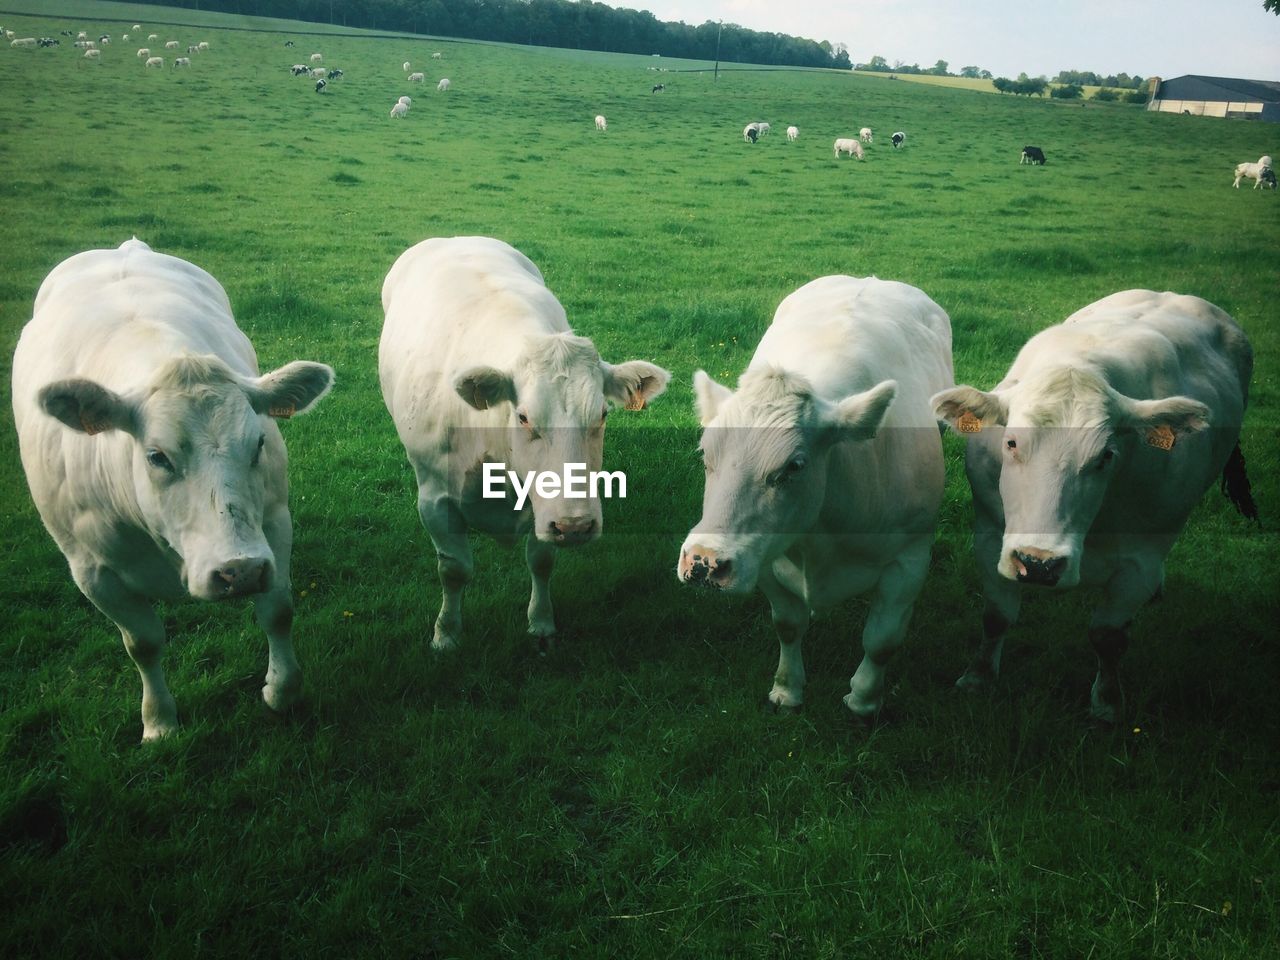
column 886, row 627
column 1126, row 592
column 541, row 558
column 143, row 636
column 448, row 531
column 790, row 620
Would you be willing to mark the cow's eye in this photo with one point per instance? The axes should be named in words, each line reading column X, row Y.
column 794, row 466
column 257, row 454
column 1011, row 444
column 1105, row 459
column 158, row 460
column 524, row 420
column 604, row 414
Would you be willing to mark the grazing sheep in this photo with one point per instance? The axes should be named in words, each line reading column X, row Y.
column 1254, row 171
column 601, row 122
column 898, row 139
column 154, row 62
column 793, row 133
column 846, row 145
column 144, row 53
column 417, row 78
column 399, row 110
column 1032, row 155
column 443, row 85
column 865, row 134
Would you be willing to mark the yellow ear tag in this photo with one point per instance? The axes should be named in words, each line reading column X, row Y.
column 1161, row 437
column 282, row 413
column 91, row 426
column 968, row 422
column 634, row 402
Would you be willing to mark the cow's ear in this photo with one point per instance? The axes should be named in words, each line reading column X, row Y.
column 485, row 387
column 968, row 410
column 292, row 389
column 1180, row 415
column 708, row 396
column 634, row 383
column 87, row 406
column 859, row 417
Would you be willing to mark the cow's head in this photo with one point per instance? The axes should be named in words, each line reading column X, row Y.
column 206, row 457
column 1063, row 436
column 765, row 450
column 558, row 395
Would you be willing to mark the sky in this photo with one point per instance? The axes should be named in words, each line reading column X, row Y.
column 1226, row 38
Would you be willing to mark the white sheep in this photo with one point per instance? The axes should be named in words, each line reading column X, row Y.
column 793, row 132
column 847, row 145
column 399, row 111
column 417, row 78
column 154, row 62
column 1253, row 171
column 865, row 134
column 443, row 85
column 601, row 123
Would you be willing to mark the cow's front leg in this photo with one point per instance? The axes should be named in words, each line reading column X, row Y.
column 886, row 627
column 273, row 610
column 1128, row 589
column 541, row 558
column 790, row 620
column 1003, row 602
column 448, row 531
column 143, row 636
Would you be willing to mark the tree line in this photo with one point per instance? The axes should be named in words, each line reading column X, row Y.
column 576, row 24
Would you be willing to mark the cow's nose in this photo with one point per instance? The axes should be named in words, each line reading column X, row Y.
column 571, row 531
column 1041, row 570
column 236, row 578
column 701, row 566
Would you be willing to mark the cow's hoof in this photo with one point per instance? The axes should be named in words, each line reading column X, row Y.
column 158, row 731
column 282, row 697
column 866, row 712
column 783, row 709
column 973, row 681
column 543, row 643
column 441, row 640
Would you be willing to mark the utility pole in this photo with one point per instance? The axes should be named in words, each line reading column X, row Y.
column 719, row 27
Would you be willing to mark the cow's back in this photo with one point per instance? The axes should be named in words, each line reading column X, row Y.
column 452, row 303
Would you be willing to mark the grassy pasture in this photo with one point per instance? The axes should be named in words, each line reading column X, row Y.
column 625, row 795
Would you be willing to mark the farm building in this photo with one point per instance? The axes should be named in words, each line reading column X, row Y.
column 1217, row 97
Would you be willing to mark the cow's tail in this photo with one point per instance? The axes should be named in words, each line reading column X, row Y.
column 1236, row 486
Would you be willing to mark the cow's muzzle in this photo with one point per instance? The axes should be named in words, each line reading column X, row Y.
column 240, row 578
column 1038, row 567
column 702, row 567
column 572, row 531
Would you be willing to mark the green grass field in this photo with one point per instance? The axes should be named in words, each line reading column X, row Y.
column 627, row 795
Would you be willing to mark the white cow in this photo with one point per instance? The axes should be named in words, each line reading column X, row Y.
column 319, row 73
column 1086, row 460
column 443, row 85
column 23, row 42
column 406, row 66
column 793, row 133
column 93, row 54
column 751, row 132
column 478, row 365
column 399, row 110
column 417, row 77
column 437, row 56
column 182, row 62
column 151, row 449
column 203, row 46
column 847, row 145
column 317, row 57
column 1254, row 171
column 824, row 470
column 152, row 36
column 601, row 122
column 763, row 128
column 171, row 45
column 865, row 134
column 154, row 62
column 407, row 101
column 144, row 53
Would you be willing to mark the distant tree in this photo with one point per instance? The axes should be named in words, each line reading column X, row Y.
column 984, row 75
column 939, row 69
column 1070, row 91
column 1106, row 94
column 1272, row 5
column 878, row 64
column 970, row 72
column 840, row 58
column 1003, row 84
column 1136, row 96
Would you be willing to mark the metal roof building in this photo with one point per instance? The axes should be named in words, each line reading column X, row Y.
column 1217, row 97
